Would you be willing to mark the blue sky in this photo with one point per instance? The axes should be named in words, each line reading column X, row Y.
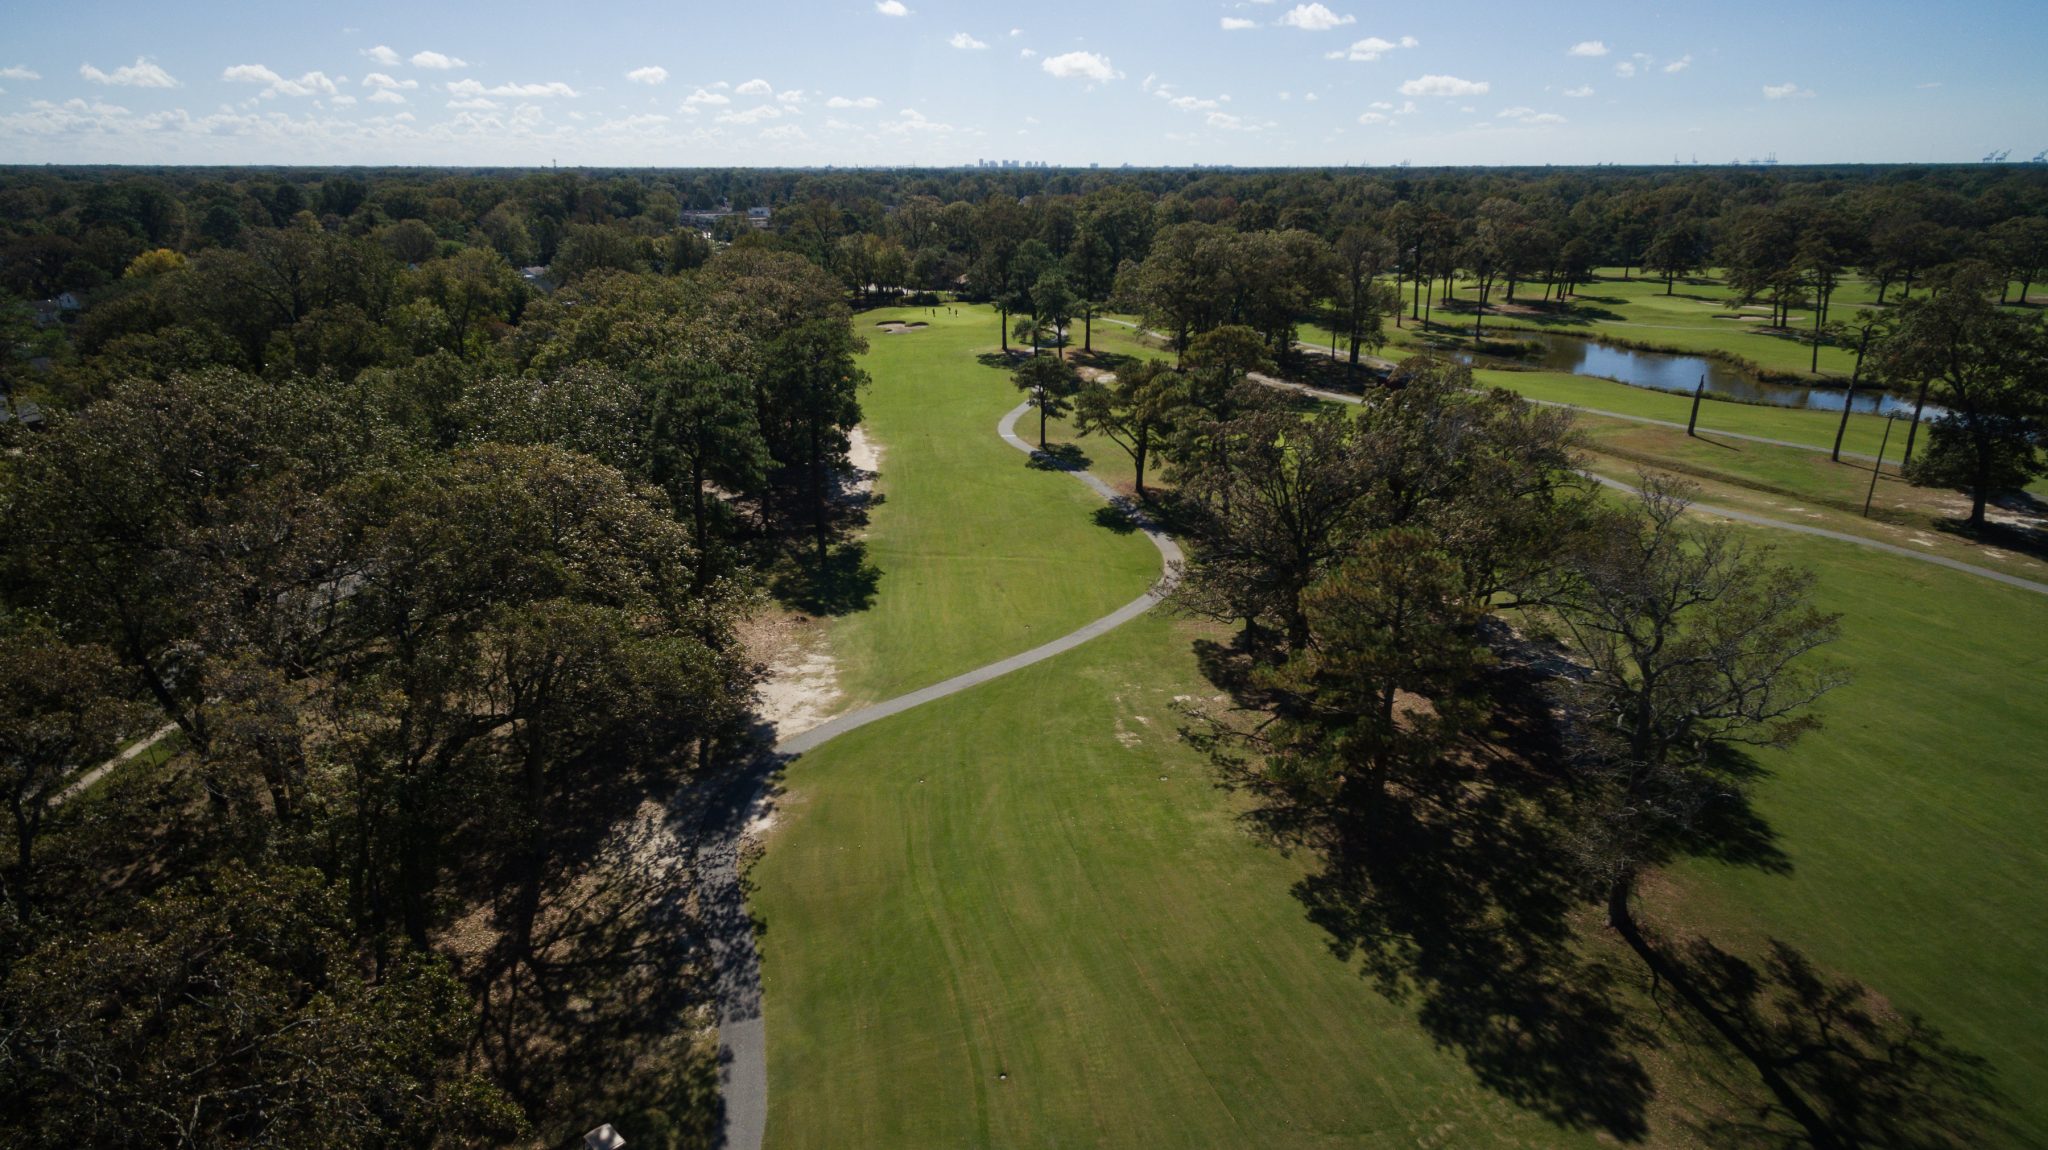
column 938, row 82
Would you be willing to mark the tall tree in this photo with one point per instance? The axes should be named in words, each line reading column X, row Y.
column 1135, row 410
column 1989, row 369
column 1362, row 302
column 1048, row 386
column 811, row 385
column 63, row 708
column 1393, row 619
column 1280, row 499
column 1693, row 643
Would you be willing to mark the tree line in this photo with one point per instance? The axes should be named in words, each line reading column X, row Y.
column 435, row 579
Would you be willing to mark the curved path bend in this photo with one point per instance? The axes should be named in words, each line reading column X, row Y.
column 742, row 1031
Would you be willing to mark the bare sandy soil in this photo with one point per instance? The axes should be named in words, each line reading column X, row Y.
column 895, row 327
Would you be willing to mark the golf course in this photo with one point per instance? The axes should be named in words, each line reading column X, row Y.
column 1029, row 914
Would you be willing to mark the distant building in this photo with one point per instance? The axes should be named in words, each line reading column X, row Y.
column 758, row 217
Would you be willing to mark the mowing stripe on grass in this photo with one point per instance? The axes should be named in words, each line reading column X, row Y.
column 742, row 1030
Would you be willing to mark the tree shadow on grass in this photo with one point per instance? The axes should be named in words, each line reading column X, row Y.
column 1059, row 457
column 1873, row 1076
column 844, row 583
column 1003, row 360
column 1455, row 897
column 1109, row 361
column 1115, row 517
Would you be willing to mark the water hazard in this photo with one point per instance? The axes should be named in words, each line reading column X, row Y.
column 1664, row 371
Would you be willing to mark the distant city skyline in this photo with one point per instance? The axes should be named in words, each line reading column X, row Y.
column 901, row 82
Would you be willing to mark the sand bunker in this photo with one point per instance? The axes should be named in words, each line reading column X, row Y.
column 897, row 327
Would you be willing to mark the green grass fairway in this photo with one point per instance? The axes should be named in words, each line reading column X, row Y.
column 1026, row 915
column 980, row 556
column 1003, row 883
column 1914, row 819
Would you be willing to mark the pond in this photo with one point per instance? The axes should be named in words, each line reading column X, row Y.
column 1664, row 371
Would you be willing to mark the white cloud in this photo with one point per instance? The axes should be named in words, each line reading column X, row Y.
column 275, row 85
column 966, row 43
column 1187, row 103
column 383, row 54
column 651, row 74
column 705, row 96
column 784, row 134
column 1588, row 48
column 1313, row 18
column 1580, row 92
column 1230, row 123
column 380, row 80
column 343, row 101
column 1679, row 65
column 1786, row 91
column 842, row 102
column 1384, row 113
column 1083, row 65
column 1026, row 53
column 793, row 97
column 464, row 88
column 1238, row 23
column 1372, row 48
column 141, row 74
column 1311, row 97
column 437, row 60
column 627, row 125
column 1531, row 116
column 755, row 87
column 1016, row 31
column 891, row 8
column 20, row 72
column 1433, row 85
column 1625, row 69
column 1929, row 85
column 387, row 96
column 476, row 102
column 912, row 122
column 753, row 115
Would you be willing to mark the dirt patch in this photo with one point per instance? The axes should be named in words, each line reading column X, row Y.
column 799, row 686
column 866, row 456
column 800, row 680
column 898, row 327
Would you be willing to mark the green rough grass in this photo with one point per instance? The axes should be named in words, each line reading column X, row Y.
column 980, row 555
column 1004, row 883
column 1913, row 819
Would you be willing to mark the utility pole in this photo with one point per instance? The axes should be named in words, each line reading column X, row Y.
column 1877, row 467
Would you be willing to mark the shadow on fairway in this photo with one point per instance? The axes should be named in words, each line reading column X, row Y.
column 1871, row 1075
column 1115, row 518
column 844, row 583
column 1059, row 457
column 2028, row 537
column 1462, row 896
column 1455, row 897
